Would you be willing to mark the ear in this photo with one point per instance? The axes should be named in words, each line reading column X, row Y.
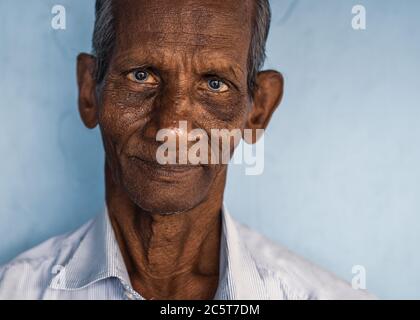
column 267, row 96
column 88, row 105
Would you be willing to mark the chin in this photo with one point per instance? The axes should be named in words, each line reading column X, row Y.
column 168, row 192
column 165, row 205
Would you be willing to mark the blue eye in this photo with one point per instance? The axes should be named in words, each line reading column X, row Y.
column 141, row 75
column 215, row 84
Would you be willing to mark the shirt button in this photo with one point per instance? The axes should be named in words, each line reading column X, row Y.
column 129, row 295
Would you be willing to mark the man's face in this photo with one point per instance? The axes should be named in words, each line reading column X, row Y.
column 183, row 60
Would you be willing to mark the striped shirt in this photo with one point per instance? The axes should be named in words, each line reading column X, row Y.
column 87, row 264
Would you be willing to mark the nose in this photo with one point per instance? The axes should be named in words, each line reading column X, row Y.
column 172, row 112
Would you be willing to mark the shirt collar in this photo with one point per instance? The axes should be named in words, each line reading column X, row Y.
column 239, row 276
column 98, row 257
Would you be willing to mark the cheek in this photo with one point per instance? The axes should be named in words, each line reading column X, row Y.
column 225, row 110
column 122, row 108
column 224, row 125
column 123, row 112
column 230, row 114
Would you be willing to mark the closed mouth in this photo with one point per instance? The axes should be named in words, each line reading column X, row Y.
column 153, row 165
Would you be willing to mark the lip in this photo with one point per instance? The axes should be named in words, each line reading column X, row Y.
column 169, row 168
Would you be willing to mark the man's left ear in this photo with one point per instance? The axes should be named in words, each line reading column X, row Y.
column 267, row 96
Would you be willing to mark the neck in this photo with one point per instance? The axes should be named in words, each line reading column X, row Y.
column 169, row 256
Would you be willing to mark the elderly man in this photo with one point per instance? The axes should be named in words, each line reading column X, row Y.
column 165, row 233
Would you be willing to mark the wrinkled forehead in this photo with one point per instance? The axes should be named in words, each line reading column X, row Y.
column 184, row 24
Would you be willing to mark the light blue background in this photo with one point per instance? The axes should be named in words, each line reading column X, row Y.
column 342, row 176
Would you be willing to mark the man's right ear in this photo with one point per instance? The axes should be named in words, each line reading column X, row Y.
column 88, row 103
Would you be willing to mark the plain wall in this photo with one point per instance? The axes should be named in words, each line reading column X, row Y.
column 341, row 180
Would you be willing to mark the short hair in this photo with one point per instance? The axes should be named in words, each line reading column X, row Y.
column 104, row 37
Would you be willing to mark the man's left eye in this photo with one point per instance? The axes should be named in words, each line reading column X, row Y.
column 217, row 85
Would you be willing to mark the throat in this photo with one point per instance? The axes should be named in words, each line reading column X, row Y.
column 171, row 256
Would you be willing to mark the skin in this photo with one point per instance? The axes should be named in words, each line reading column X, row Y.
column 167, row 218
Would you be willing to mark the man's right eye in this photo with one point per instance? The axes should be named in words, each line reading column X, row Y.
column 143, row 77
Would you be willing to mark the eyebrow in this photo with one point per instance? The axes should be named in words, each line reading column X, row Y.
column 223, row 72
column 147, row 58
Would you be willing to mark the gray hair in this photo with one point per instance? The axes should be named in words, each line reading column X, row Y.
column 104, row 38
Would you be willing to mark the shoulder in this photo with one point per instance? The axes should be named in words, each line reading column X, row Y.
column 298, row 277
column 30, row 273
